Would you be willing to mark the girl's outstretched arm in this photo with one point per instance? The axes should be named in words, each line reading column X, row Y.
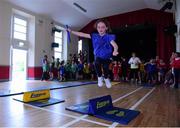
column 115, row 46
column 80, row 34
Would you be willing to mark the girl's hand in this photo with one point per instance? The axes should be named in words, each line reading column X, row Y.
column 115, row 53
column 68, row 29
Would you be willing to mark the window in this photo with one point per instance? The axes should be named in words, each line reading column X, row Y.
column 20, row 28
column 79, row 46
column 58, row 39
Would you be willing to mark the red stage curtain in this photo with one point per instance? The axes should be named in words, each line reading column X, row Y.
column 165, row 43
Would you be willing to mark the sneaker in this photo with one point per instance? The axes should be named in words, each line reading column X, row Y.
column 100, row 81
column 108, row 83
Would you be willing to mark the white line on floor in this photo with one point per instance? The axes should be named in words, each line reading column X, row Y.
column 141, row 100
column 74, row 121
column 124, row 96
column 135, row 106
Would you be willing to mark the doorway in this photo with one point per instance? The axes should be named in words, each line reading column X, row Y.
column 19, row 65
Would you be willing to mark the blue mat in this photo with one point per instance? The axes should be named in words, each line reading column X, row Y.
column 62, row 85
column 102, row 108
column 40, row 103
column 4, row 93
column 80, row 108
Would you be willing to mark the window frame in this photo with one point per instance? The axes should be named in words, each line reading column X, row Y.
column 13, row 25
column 56, row 51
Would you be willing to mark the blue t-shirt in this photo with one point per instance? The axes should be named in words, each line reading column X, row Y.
column 62, row 70
column 102, row 46
column 151, row 68
column 80, row 67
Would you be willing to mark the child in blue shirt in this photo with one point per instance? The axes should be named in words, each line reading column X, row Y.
column 45, row 67
column 80, row 70
column 62, row 71
column 104, row 47
column 151, row 70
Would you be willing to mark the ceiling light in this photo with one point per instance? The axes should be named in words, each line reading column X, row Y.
column 79, row 7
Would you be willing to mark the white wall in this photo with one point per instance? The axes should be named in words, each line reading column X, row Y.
column 73, row 46
column 40, row 38
column 178, row 25
column 5, row 28
column 43, row 40
column 31, row 39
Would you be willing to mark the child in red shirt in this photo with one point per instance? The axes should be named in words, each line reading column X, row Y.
column 176, row 69
column 116, row 71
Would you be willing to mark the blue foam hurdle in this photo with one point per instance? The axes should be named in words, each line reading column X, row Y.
column 102, row 107
column 100, row 104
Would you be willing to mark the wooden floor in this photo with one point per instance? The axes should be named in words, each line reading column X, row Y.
column 159, row 106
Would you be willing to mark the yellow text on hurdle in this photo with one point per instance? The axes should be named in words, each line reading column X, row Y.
column 36, row 95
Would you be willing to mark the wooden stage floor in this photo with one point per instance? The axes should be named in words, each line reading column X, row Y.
column 159, row 106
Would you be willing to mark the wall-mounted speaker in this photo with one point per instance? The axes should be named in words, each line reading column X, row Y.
column 54, row 45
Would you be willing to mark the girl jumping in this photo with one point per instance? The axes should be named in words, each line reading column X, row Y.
column 104, row 47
